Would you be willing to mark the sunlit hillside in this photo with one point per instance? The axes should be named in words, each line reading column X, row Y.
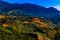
column 27, row 28
column 29, row 21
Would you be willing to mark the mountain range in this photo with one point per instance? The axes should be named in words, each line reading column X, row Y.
column 31, row 9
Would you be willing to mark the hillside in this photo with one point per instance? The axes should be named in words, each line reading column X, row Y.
column 28, row 22
column 31, row 9
column 27, row 27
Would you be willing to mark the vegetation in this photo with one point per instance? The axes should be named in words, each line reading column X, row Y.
column 27, row 28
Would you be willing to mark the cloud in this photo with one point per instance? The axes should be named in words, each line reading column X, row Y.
column 57, row 7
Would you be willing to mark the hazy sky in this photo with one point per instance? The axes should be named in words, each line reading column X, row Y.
column 45, row 3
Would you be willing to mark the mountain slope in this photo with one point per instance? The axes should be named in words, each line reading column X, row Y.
column 28, row 22
column 30, row 9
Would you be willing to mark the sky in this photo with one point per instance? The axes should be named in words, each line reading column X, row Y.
column 44, row 3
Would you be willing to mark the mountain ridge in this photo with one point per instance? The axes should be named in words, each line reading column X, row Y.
column 32, row 9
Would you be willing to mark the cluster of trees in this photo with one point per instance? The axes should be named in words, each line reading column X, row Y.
column 27, row 28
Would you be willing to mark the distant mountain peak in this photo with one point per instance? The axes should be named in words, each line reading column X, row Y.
column 52, row 8
column 4, row 3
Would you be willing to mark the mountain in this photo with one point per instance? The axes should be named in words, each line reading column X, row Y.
column 28, row 22
column 31, row 9
column 3, row 5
